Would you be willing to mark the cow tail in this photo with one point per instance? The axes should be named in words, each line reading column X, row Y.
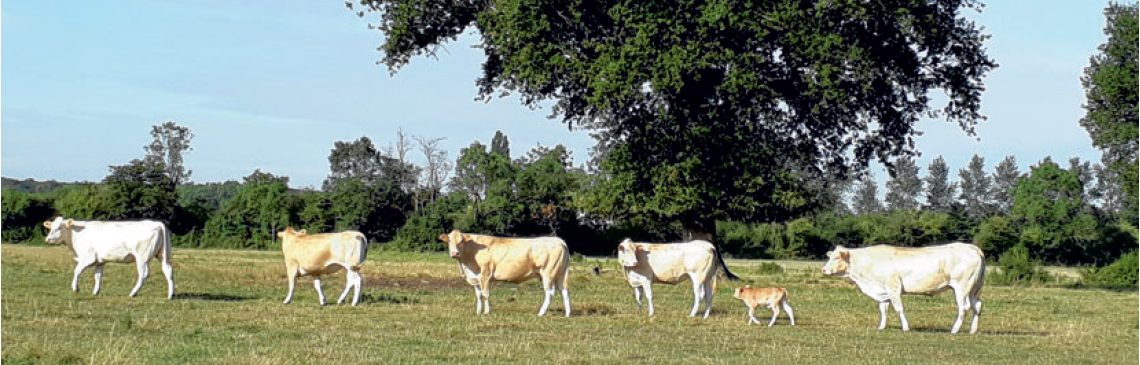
column 164, row 248
column 720, row 259
column 363, row 251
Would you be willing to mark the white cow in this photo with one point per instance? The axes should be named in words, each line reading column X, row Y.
column 96, row 243
column 323, row 254
column 484, row 259
column 885, row 273
column 671, row 263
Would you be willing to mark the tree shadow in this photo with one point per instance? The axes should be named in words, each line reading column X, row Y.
column 211, row 297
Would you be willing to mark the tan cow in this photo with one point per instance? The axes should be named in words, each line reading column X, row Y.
column 773, row 298
column 885, row 273
column 323, row 254
column 484, row 259
column 671, row 263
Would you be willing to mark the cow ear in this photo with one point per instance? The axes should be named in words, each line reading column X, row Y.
column 443, row 237
column 303, row 232
column 466, row 238
column 47, row 225
column 843, row 254
column 70, row 222
column 280, row 234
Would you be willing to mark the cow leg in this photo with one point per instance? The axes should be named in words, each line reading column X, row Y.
column 144, row 271
column 648, row 297
column 79, row 267
column 478, row 300
column 168, row 272
column 752, row 314
column 349, row 282
column 548, row 292
column 977, row 305
column 98, row 279
column 896, row 302
column 359, row 287
column 963, row 302
column 562, row 287
column 883, row 305
column 709, row 295
column 320, row 292
column 637, row 296
column 775, row 313
column 788, row 308
column 291, row 272
column 698, row 296
column 485, row 283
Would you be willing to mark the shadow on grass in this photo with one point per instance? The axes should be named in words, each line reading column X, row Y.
column 389, row 298
column 965, row 331
column 211, row 297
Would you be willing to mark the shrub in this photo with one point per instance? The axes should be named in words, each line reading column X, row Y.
column 770, row 268
column 1121, row 274
column 1017, row 267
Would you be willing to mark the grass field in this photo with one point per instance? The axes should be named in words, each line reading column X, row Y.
column 416, row 308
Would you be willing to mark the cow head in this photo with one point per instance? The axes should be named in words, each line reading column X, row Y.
column 59, row 230
column 287, row 232
column 838, row 261
column 455, row 241
column 627, row 253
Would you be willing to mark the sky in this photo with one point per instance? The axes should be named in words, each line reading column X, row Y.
column 274, row 87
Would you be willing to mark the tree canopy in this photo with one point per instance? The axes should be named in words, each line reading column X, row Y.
column 716, row 109
column 1112, row 92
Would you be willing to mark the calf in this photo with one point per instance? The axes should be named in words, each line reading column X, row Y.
column 484, row 259
column 95, row 243
column 671, row 263
column 885, row 273
column 323, row 254
column 773, row 298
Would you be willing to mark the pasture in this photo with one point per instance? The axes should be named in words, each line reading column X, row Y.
column 416, row 308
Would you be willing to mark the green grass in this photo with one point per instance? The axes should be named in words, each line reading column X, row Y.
column 417, row 308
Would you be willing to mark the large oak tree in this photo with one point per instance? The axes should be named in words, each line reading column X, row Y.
column 715, row 109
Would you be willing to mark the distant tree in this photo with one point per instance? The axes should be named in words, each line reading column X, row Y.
column 904, row 186
column 404, row 145
column 714, row 109
column 1048, row 202
column 1108, row 192
column 1085, row 175
column 501, row 145
column 251, row 219
column 434, row 173
column 1005, row 178
column 545, row 185
column 866, row 199
column 171, row 142
column 939, row 190
column 1111, row 92
column 488, row 181
column 141, row 189
column 976, row 195
column 360, row 159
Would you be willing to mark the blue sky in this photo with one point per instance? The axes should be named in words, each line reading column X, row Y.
column 272, row 86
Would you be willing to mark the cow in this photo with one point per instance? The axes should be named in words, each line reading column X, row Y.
column 671, row 263
column 484, row 259
column 95, row 243
column 885, row 273
column 324, row 254
column 773, row 298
